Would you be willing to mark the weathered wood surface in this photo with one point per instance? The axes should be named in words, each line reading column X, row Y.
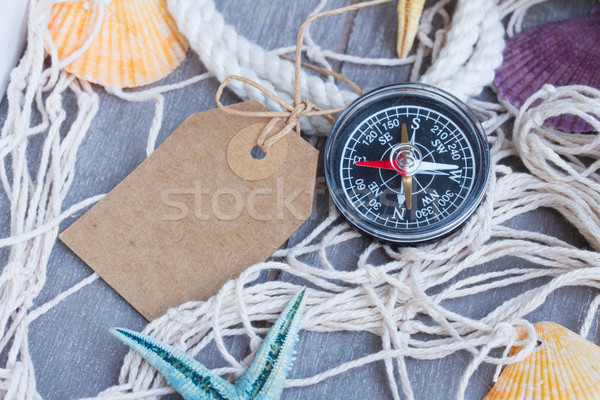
column 76, row 357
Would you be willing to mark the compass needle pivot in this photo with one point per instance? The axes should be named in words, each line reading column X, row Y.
column 407, row 163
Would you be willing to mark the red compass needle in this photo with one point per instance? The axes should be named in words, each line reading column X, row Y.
column 384, row 164
column 387, row 164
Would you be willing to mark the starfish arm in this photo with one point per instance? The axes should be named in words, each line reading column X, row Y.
column 265, row 378
column 190, row 378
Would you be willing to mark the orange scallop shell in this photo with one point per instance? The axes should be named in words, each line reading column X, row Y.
column 138, row 42
column 565, row 367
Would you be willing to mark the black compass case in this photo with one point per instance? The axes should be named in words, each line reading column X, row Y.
column 447, row 188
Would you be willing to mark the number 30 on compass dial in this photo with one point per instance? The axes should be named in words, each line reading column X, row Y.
column 407, row 163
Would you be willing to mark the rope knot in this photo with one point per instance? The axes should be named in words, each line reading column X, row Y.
column 291, row 114
column 301, row 109
column 373, row 275
column 16, row 274
column 506, row 330
column 549, row 89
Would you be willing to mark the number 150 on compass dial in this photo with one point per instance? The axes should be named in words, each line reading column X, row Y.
column 407, row 163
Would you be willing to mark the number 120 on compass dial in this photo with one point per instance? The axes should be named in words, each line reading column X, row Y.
column 407, row 163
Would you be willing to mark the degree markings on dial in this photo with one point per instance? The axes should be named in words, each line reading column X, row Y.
column 426, row 220
column 373, row 124
column 383, row 184
column 377, row 127
column 452, row 135
column 439, row 213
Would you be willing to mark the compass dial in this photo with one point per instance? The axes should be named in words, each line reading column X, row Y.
column 407, row 163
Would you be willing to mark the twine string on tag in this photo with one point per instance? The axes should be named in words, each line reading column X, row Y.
column 291, row 115
column 302, row 107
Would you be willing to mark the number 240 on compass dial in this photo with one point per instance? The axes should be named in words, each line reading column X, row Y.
column 407, row 163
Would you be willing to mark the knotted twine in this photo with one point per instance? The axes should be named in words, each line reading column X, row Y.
column 302, row 107
column 339, row 300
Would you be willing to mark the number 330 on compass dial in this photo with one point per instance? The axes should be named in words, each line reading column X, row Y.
column 407, row 163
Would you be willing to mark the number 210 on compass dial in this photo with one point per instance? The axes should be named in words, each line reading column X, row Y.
column 407, row 163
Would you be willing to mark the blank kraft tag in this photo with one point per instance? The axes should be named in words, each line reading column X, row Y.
column 183, row 222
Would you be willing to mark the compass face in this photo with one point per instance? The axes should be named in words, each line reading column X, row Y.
column 407, row 163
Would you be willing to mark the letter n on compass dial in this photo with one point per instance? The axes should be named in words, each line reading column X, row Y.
column 407, row 163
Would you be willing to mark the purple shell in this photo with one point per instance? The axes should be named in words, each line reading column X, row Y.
column 561, row 53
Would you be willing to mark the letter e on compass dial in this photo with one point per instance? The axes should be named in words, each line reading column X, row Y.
column 407, row 163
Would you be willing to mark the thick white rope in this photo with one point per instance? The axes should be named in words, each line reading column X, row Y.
column 381, row 299
column 472, row 52
column 225, row 53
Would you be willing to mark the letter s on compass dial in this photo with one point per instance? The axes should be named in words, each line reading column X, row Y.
column 407, row 163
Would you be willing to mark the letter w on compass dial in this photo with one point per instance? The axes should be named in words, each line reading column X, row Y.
column 401, row 175
column 407, row 169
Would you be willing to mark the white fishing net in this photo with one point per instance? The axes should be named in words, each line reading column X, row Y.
column 388, row 288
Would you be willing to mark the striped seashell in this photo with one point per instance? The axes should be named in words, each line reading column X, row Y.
column 409, row 14
column 138, row 42
column 565, row 367
column 560, row 53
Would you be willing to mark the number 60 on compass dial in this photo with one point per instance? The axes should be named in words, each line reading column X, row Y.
column 407, row 163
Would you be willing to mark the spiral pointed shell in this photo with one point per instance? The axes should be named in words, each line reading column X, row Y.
column 409, row 14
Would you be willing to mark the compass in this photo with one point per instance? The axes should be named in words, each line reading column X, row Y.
column 407, row 163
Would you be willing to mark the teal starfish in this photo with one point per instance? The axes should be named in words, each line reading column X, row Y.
column 264, row 379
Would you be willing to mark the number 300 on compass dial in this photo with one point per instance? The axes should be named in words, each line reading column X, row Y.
column 407, row 163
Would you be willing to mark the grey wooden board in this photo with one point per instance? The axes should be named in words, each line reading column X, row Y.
column 73, row 353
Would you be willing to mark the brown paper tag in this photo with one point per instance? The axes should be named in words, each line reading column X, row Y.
column 183, row 223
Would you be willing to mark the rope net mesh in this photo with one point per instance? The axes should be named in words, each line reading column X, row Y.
column 402, row 295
